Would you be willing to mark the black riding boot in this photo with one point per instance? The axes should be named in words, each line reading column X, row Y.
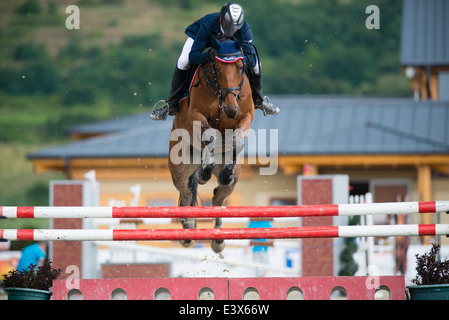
column 172, row 103
column 260, row 102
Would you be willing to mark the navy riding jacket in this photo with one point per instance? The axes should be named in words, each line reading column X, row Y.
column 201, row 30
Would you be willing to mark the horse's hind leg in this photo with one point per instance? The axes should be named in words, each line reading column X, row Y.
column 220, row 194
column 218, row 245
column 183, row 179
column 190, row 199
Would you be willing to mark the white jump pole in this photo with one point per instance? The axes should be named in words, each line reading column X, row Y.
column 227, row 212
column 225, row 233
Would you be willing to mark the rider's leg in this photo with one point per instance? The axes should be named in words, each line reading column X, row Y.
column 260, row 102
column 179, row 76
column 178, row 79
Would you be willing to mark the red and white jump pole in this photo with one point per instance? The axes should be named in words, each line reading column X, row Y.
column 227, row 212
column 225, row 233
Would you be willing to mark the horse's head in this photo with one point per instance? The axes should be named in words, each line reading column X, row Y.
column 230, row 71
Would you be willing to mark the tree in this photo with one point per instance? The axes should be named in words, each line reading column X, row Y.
column 350, row 267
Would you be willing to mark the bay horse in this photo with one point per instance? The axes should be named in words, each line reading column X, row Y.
column 217, row 116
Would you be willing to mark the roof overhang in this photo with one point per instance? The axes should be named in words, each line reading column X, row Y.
column 129, row 168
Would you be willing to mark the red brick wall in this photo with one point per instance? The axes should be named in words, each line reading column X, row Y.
column 317, row 254
column 65, row 253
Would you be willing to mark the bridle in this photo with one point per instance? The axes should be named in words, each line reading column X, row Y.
column 220, row 93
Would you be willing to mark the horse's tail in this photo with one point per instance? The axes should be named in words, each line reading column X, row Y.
column 193, row 187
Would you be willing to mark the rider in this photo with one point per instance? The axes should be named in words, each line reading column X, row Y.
column 228, row 23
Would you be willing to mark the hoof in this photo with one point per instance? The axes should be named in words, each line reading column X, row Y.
column 224, row 180
column 217, row 245
column 226, row 177
column 203, row 175
column 188, row 223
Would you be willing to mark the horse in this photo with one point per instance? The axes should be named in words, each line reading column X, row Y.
column 212, row 122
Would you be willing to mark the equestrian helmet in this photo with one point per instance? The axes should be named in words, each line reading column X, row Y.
column 232, row 17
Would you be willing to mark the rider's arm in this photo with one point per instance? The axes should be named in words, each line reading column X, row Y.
column 202, row 41
column 196, row 55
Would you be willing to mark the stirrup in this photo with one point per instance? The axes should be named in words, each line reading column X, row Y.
column 268, row 108
column 160, row 113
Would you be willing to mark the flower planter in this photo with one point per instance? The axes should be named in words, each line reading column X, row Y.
column 27, row 294
column 429, row 292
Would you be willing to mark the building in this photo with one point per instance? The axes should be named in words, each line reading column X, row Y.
column 425, row 48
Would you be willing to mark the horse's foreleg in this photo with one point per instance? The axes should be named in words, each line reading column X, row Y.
column 222, row 192
column 204, row 172
column 226, row 175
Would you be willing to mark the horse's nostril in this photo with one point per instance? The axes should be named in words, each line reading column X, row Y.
column 231, row 112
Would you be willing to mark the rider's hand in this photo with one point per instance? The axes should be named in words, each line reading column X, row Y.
column 210, row 54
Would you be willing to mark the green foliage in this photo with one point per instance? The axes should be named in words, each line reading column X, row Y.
column 431, row 270
column 306, row 47
column 40, row 278
column 29, row 7
column 30, row 51
column 349, row 267
column 36, row 72
column 325, row 46
column 38, row 194
column 40, row 77
column 136, row 71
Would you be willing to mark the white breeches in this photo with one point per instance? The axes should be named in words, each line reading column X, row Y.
column 183, row 61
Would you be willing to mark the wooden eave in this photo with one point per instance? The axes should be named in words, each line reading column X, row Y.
column 289, row 164
column 294, row 163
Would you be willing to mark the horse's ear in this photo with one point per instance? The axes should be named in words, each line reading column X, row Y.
column 215, row 43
